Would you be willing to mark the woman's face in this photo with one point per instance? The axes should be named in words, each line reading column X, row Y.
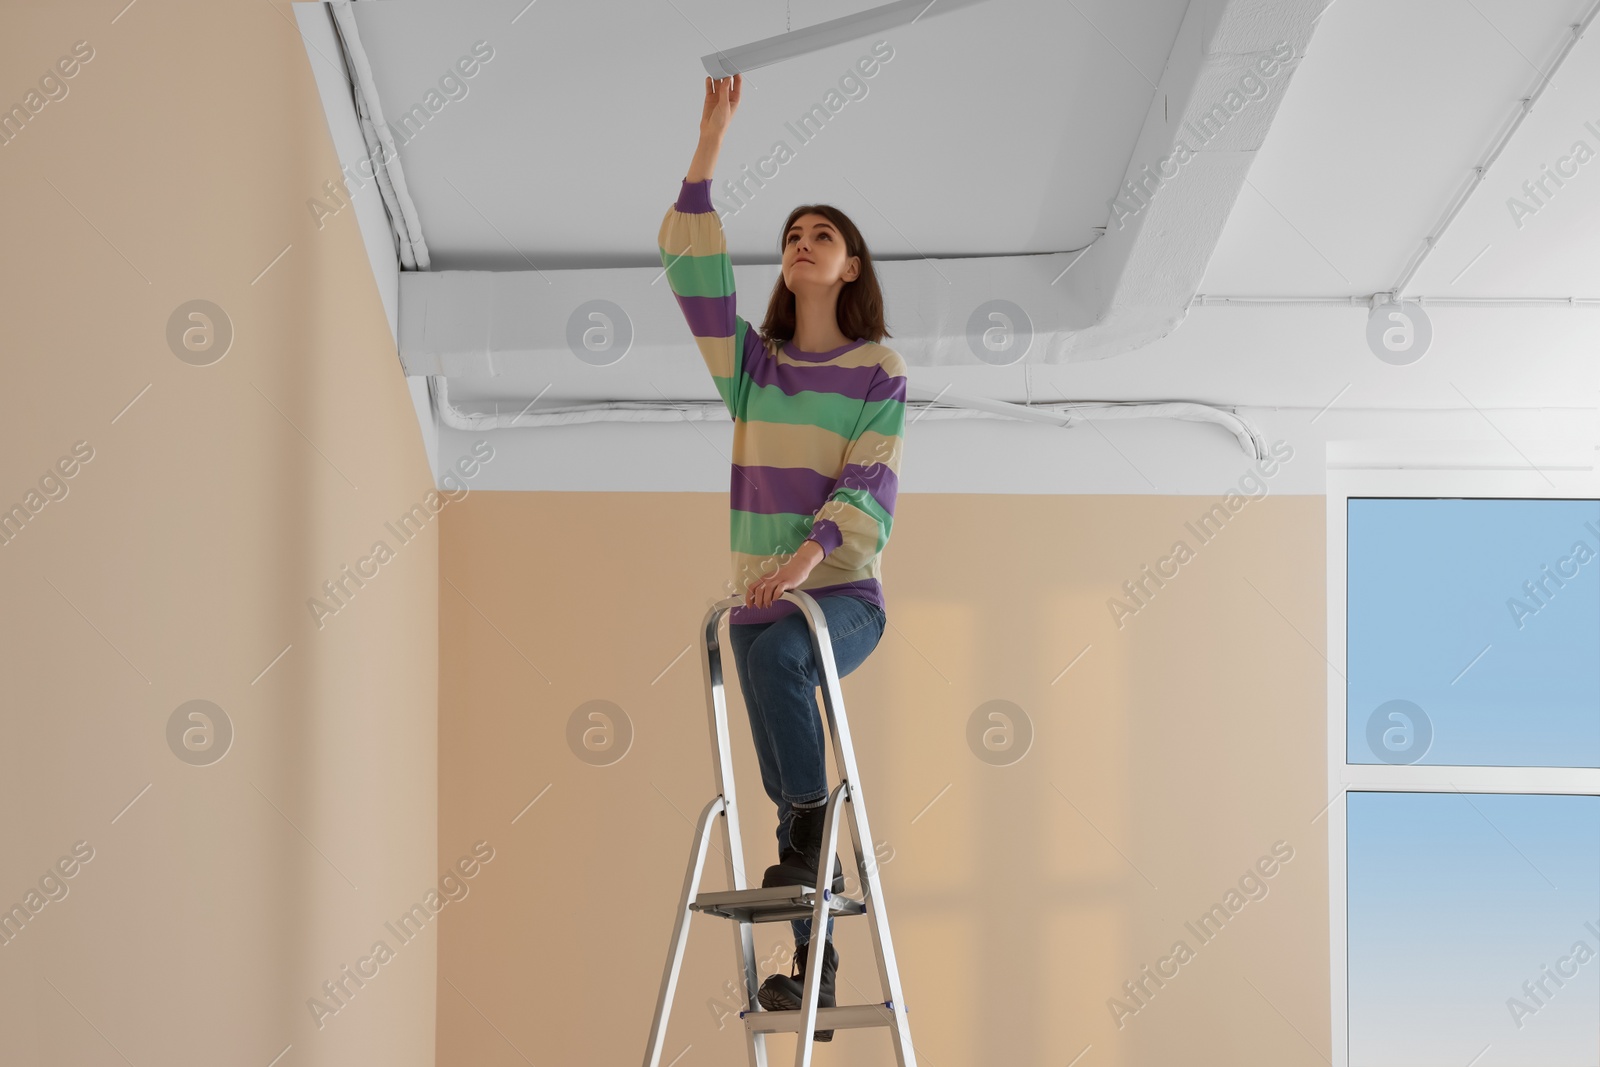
column 814, row 256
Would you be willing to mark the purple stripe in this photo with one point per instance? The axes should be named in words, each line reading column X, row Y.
column 709, row 316
column 870, row 590
column 775, row 490
column 792, row 490
column 890, row 389
column 755, row 349
column 694, row 197
column 877, row 478
column 852, row 382
column 826, row 533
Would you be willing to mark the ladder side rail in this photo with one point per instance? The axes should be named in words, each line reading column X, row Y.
column 722, row 768
column 680, row 933
column 844, row 755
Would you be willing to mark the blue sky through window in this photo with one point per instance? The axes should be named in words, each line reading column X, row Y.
column 1454, row 901
column 1473, row 632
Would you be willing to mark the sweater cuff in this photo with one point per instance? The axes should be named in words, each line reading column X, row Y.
column 827, row 536
column 694, row 197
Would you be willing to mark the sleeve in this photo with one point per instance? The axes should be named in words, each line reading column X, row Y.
column 694, row 252
column 853, row 524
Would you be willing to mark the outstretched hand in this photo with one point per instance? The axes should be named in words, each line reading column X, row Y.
column 722, row 100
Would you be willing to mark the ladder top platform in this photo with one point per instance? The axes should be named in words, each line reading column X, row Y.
column 773, row 903
column 842, row 1017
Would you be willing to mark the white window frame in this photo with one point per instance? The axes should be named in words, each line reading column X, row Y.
column 1430, row 469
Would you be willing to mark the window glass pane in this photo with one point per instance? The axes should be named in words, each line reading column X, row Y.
column 1473, row 929
column 1473, row 632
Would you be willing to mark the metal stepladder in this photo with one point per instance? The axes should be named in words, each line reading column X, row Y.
column 746, row 905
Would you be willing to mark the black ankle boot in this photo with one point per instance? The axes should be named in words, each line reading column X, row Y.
column 797, row 864
column 783, row 992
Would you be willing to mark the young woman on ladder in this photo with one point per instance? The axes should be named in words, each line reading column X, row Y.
column 818, row 404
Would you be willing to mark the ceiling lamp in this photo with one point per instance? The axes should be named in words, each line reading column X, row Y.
column 727, row 63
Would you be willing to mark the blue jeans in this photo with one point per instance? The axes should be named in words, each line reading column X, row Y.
column 778, row 675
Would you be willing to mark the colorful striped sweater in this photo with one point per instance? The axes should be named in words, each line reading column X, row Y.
column 817, row 436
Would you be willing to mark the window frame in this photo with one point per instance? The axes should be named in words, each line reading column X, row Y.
column 1483, row 469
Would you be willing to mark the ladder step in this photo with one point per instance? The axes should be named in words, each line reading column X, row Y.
column 839, row 1018
column 772, row 904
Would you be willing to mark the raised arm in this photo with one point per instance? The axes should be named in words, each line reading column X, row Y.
column 716, row 112
column 694, row 252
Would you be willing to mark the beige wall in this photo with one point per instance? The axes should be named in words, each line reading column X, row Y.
column 1166, row 763
column 179, row 564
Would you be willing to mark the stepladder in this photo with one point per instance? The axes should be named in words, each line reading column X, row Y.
column 746, row 906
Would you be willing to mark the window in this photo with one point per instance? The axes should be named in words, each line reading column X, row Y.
column 1464, row 754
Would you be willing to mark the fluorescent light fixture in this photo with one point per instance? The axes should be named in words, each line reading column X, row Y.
column 726, row 64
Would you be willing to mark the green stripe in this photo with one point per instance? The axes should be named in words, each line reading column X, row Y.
column 876, row 411
column 691, row 275
column 830, row 411
column 725, row 388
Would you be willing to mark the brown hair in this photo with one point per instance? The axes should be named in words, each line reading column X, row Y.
column 859, row 309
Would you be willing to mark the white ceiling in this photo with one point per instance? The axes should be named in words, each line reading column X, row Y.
column 1390, row 110
column 536, row 238
column 1003, row 131
column 997, row 129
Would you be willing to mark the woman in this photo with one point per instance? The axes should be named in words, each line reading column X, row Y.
column 819, row 421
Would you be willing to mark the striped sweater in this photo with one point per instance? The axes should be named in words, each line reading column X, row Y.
column 817, row 436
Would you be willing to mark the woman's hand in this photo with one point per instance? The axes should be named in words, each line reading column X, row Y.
column 764, row 590
column 722, row 100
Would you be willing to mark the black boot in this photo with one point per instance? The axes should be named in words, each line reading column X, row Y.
column 797, row 864
column 783, row 992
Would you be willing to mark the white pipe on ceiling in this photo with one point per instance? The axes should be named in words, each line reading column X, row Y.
column 381, row 151
column 946, row 405
column 1214, row 300
column 1481, row 171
